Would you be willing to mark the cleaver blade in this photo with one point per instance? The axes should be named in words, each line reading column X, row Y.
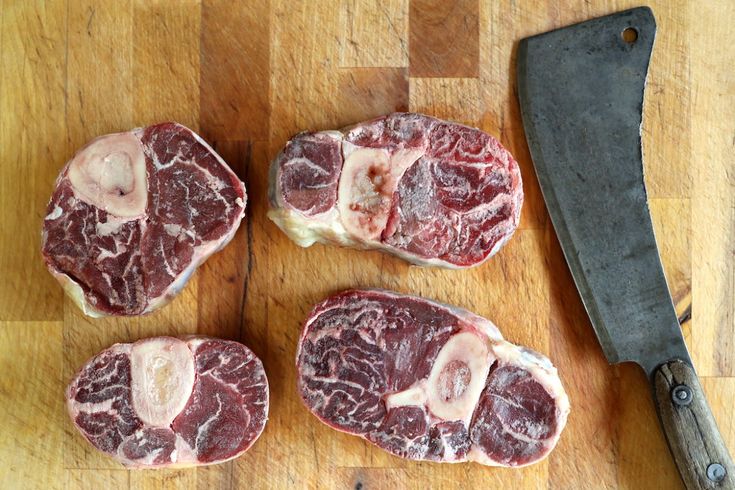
column 581, row 95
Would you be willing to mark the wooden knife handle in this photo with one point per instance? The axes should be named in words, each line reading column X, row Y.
column 691, row 431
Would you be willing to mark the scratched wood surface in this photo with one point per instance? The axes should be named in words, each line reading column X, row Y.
column 247, row 75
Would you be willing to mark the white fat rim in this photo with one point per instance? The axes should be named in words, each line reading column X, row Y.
column 76, row 293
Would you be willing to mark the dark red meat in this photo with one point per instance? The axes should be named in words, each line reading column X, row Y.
column 133, row 214
column 425, row 381
column 430, row 191
column 217, row 412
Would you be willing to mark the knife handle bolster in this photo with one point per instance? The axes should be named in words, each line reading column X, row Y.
column 690, row 429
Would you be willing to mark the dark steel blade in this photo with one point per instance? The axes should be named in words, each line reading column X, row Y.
column 581, row 95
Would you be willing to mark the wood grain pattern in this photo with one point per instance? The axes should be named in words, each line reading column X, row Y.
column 713, row 197
column 235, row 96
column 374, row 33
column 691, row 430
column 457, row 98
column 444, row 38
column 719, row 392
column 32, row 410
column 32, row 134
column 249, row 75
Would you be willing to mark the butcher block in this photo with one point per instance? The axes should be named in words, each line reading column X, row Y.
column 249, row 75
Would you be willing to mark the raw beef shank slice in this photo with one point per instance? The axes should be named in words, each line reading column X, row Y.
column 134, row 214
column 430, row 191
column 165, row 402
column 426, row 381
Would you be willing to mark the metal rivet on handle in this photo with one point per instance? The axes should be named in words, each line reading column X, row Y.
column 716, row 472
column 681, row 395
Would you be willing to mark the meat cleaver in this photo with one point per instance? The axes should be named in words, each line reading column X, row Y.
column 581, row 97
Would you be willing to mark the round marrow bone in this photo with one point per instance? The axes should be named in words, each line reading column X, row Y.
column 162, row 371
column 109, row 173
column 369, row 179
column 458, row 377
column 456, row 380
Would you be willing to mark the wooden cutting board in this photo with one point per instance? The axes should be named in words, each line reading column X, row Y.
column 247, row 75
